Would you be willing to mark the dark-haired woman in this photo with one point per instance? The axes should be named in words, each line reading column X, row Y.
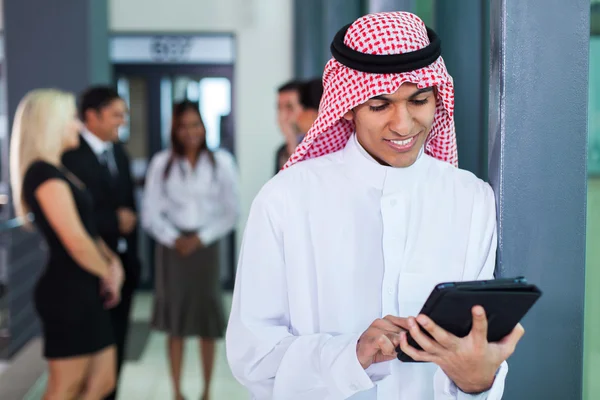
column 190, row 202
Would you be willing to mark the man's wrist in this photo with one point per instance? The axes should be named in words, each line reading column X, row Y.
column 477, row 388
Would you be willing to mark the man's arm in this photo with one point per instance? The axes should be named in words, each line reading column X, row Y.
column 264, row 354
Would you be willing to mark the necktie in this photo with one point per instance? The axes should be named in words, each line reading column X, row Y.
column 108, row 160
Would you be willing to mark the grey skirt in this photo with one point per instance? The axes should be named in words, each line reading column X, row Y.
column 188, row 299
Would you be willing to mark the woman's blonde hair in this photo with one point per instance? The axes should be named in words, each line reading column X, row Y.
column 38, row 132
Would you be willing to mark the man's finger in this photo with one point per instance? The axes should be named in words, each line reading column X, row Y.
column 385, row 345
column 509, row 342
column 385, row 325
column 397, row 321
column 370, row 336
column 413, row 353
column 441, row 336
column 480, row 325
column 426, row 343
column 395, row 338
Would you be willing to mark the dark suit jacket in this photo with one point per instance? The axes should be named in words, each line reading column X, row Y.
column 281, row 157
column 108, row 194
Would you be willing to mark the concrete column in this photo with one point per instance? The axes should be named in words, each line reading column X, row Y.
column 308, row 39
column 62, row 45
column 461, row 26
column 391, row 5
column 537, row 138
column 315, row 24
column 48, row 44
column 336, row 14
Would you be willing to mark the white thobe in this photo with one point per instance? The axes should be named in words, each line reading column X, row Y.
column 333, row 243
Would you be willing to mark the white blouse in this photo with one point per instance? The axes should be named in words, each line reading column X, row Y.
column 200, row 198
column 333, row 243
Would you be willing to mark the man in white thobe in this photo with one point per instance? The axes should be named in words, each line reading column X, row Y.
column 342, row 247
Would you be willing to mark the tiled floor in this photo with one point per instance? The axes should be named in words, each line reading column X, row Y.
column 148, row 378
column 3, row 366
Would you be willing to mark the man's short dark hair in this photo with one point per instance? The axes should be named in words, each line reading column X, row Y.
column 311, row 93
column 290, row 86
column 96, row 98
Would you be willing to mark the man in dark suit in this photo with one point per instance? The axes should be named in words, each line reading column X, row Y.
column 288, row 107
column 102, row 163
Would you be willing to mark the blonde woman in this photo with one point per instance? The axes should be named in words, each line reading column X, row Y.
column 82, row 278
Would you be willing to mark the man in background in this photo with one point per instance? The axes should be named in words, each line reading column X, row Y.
column 310, row 94
column 288, row 107
column 102, row 164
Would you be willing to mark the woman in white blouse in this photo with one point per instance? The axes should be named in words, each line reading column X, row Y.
column 190, row 202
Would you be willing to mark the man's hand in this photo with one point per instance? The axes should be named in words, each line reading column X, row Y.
column 111, row 286
column 186, row 245
column 470, row 362
column 378, row 343
column 127, row 220
column 286, row 123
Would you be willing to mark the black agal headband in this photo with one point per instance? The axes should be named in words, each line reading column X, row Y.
column 385, row 64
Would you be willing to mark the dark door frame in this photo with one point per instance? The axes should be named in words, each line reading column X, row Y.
column 153, row 73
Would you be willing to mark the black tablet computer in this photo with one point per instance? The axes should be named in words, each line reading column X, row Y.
column 505, row 300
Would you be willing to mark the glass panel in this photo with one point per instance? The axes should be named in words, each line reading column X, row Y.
column 135, row 134
column 193, row 91
column 215, row 102
column 4, row 310
column 180, row 88
column 137, row 143
column 166, row 109
column 425, row 9
column 5, row 212
column 123, row 90
column 595, row 18
column 594, row 108
column 591, row 388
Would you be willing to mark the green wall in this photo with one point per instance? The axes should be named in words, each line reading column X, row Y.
column 592, row 277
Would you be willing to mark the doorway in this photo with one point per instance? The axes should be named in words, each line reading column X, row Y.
column 150, row 91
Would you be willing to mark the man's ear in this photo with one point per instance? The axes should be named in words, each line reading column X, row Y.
column 349, row 116
column 90, row 115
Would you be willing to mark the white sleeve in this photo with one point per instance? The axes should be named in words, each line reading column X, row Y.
column 153, row 205
column 264, row 354
column 480, row 266
column 229, row 197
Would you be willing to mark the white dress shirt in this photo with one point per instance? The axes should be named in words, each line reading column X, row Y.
column 98, row 145
column 199, row 198
column 101, row 149
column 335, row 242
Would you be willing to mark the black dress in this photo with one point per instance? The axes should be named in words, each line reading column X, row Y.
column 67, row 297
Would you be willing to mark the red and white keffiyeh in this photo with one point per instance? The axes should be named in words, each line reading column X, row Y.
column 345, row 88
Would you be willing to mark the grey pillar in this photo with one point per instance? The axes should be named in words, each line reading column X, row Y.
column 391, row 5
column 538, row 136
column 315, row 24
column 336, row 14
column 422, row 8
column 99, row 57
column 62, row 45
column 461, row 26
column 308, row 39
